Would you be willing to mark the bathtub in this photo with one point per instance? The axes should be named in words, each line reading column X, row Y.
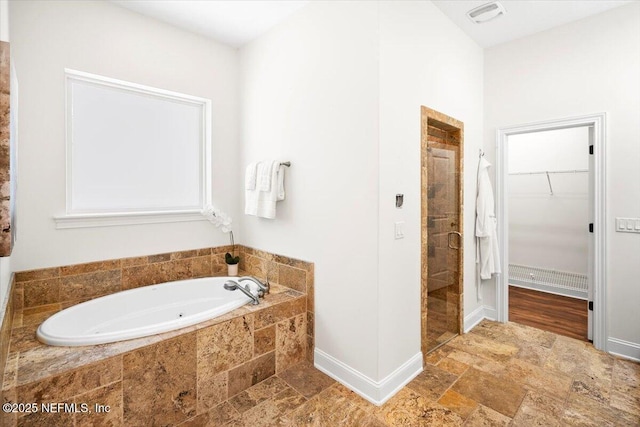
column 140, row 312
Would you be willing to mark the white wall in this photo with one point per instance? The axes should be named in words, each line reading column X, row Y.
column 344, row 106
column 585, row 67
column 427, row 60
column 310, row 96
column 105, row 39
column 549, row 230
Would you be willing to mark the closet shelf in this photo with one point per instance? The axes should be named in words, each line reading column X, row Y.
column 550, row 172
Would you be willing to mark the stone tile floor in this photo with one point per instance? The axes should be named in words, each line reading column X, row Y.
column 496, row 375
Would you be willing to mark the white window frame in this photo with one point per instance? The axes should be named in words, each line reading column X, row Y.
column 169, row 214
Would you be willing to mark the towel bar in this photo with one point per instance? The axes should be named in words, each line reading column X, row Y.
column 287, row 164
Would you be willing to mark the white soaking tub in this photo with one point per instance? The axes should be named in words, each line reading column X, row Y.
column 141, row 312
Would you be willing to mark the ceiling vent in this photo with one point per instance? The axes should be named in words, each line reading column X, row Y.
column 486, row 12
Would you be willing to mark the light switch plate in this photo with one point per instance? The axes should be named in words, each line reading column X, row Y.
column 399, row 230
column 628, row 225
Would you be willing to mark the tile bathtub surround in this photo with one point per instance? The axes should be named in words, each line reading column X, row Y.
column 290, row 272
column 165, row 379
column 276, row 336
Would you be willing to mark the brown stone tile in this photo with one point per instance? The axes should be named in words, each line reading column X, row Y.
column 588, row 385
column 539, row 409
column 159, row 258
column 280, row 312
column 254, row 266
column 41, row 292
column 270, row 412
column 8, row 418
column 310, row 323
column 225, row 345
column 293, row 262
column 306, row 379
column 90, row 285
column 212, row 389
column 38, row 314
column 264, row 340
column 217, row 416
column 310, row 349
column 292, row 277
column 458, row 403
column 251, row 373
column 437, row 355
column 567, row 355
column 257, row 394
column 59, row 388
column 203, row 252
column 24, row 338
column 353, row 398
column 408, row 408
column 90, row 267
column 453, row 366
column 555, row 383
column 186, row 254
column 45, row 419
column 291, row 342
column 131, row 262
column 159, row 382
column 625, row 389
column 45, row 273
column 97, row 400
column 478, row 362
column 514, row 334
column 18, row 297
column 329, row 408
column 493, row 392
column 583, row 411
column 432, row 382
column 487, row 417
column 484, row 347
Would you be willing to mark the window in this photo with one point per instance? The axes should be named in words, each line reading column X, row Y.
column 134, row 153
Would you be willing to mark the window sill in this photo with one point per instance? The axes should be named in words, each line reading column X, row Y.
column 128, row 218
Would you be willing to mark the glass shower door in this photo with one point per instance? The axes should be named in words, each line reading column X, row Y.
column 443, row 239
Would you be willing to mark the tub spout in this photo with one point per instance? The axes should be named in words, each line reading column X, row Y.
column 263, row 288
column 232, row 285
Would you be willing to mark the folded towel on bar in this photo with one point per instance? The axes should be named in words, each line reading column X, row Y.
column 263, row 203
column 263, row 178
column 250, row 176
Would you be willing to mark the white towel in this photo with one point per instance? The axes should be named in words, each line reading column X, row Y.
column 263, row 203
column 267, row 199
column 264, row 173
column 250, row 176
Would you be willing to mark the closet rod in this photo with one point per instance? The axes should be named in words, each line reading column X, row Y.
column 548, row 172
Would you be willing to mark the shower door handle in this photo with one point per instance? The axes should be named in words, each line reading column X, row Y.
column 452, row 233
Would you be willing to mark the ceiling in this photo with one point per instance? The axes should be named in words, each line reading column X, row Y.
column 237, row 22
column 522, row 18
column 233, row 23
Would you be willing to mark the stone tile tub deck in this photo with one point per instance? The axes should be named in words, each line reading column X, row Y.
column 164, row 379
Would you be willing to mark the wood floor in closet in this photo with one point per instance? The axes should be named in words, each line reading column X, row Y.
column 554, row 313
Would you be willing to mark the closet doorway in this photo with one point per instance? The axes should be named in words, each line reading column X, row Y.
column 550, row 193
column 441, row 224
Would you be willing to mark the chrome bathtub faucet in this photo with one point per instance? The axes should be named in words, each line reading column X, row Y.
column 232, row 285
column 263, row 288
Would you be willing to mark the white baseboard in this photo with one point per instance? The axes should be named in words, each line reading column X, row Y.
column 376, row 392
column 626, row 349
column 478, row 315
